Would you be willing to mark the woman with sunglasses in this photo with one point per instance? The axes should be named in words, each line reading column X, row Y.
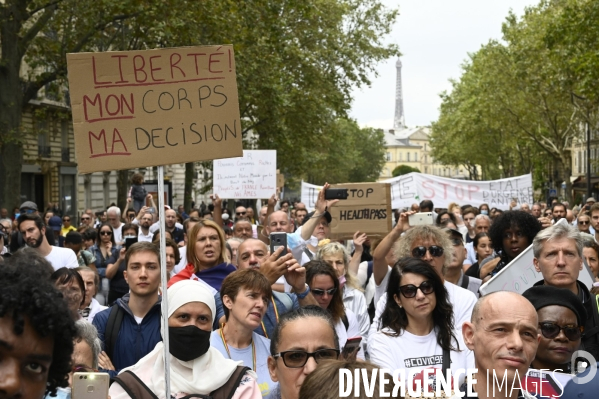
column 584, row 223
column 324, row 285
column 561, row 319
column 303, row 338
column 197, row 370
column 417, row 326
column 511, row 233
column 336, row 255
column 105, row 250
column 245, row 295
column 207, row 257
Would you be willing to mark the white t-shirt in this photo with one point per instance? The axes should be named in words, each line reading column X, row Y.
column 118, row 234
column 461, row 300
column 62, row 257
column 262, row 345
column 353, row 330
column 141, row 237
column 156, row 226
column 354, row 300
column 413, row 353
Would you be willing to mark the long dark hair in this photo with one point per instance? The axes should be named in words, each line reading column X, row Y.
column 317, row 267
column 396, row 319
column 99, row 239
column 477, row 239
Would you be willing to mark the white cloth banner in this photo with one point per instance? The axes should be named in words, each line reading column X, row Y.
column 415, row 187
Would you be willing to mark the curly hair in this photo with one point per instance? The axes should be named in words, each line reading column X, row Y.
column 403, row 246
column 396, row 319
column 528, row 225
column 26, row 297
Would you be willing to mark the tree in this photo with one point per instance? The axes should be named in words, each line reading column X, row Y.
column 404, row 170
column 297, row 61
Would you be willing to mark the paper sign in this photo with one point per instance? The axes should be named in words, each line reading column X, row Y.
column 545, row 384
column 415, row 187
column 154, row 107
column 252, row 176
column 367, row 209
column 520, row 274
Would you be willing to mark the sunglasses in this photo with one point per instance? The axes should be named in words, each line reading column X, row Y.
column 319, row 292
column 106, row 233
column 434, row 250
column 551, row 330
column 240, row 213
column 87, row 218
column 297, row 359
column 410, row 290
column 583, row 222
column 66, row 220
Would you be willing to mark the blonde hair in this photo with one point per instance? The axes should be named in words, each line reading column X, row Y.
column 335, row 248
column 193, row 236
column 453, row 205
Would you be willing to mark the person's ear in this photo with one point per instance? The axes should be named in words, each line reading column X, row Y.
column 581, row 265
column 535, row 261
column 272, row 369
column 397, row 300
column 228, row 302
column 125, row 276
column 468, row 334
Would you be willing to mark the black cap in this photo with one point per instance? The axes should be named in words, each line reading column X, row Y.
column 326, row 215
column 546, row 295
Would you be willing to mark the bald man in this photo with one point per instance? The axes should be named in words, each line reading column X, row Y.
column 504, row 337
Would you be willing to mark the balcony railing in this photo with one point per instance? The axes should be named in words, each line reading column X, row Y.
column 66, row 155
column 44, row 151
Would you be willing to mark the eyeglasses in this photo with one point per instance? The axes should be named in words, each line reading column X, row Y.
column 87, row 218
column 410, row 290
column 319, row 292
column 297, row 359
column 66, row 220
column 106, row 233
column 434, row 250
column 240, row 213
column 551, row 330
column 582, row 222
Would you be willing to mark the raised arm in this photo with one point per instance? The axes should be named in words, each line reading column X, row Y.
column 217, row 213
column 381, row 251
column 321, row 207
column 263, row 236
column 354, row 263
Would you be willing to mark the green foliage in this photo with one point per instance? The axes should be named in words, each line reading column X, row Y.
column 404, row 170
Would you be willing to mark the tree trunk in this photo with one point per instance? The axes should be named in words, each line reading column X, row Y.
column 122, row 188
column 187, row 194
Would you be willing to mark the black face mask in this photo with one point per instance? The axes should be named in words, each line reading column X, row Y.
column 188, row 343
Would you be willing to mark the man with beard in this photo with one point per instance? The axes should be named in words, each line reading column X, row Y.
column 145, row 221
column 33, row 231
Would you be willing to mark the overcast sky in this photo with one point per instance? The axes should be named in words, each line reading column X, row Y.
column 434, row 37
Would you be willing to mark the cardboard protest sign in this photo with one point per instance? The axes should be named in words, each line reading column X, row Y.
column 367, row 209
column 280, row 179
column 154, row 107
column 252, row 176
column 520, row 274
column 415, row 187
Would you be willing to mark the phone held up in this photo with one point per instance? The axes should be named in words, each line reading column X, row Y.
column 336, row 193
column 351, row 348
column 90, row 385
column 278, row 240
column 422, row 218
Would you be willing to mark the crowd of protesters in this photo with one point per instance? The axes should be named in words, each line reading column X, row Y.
column 247, row 319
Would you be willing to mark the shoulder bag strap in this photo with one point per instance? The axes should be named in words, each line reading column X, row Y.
column 113, row 326
column 446, row 364
column 465, row 281
column 134, row 386
column 228, row 389
column 308, row 253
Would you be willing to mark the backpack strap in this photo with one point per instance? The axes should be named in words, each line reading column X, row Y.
column 465, row 281
column 134, row 386
column 308, row 253
column 285, row 299
column 345, row 321
column 228, row 390
column 111, row 333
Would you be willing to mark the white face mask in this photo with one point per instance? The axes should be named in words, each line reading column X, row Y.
column 225, row 216
column 129, row 237
column 63, row 393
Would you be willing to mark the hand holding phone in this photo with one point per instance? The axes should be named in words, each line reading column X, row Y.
column 422, row 218
column 336, row 193
column 278, row 240
column 351, row 348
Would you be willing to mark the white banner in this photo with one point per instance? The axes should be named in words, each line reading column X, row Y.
column 415, row 187
column 252, row 176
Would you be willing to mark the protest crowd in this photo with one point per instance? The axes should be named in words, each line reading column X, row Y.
column 248, row 319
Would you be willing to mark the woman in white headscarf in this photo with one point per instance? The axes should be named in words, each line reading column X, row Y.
column 195, row 367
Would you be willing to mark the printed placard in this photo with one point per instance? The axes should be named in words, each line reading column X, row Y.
column 252, row 176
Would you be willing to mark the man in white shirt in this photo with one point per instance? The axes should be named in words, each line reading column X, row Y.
column 144, row 227
column 114, row 219
column 33, row 231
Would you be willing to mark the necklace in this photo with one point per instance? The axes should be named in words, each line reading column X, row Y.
column 222, row 337
column 276, row 316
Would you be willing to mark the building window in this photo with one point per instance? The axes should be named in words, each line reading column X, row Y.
column 64, row 141
column 388, row 156
column 43, row 144
column 425, row 147
column 399, row 157
column 426, row 159
column 408, row 157
column 415, row 157
column 426, row 169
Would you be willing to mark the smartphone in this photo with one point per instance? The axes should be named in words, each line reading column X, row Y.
column 278, row 240
column 422, row 218
column 336, row 193
column 351, row 348
column 90, row 386
column 130, row 241
column 151, row 209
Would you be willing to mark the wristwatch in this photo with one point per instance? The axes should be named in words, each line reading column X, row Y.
column 304, row 294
